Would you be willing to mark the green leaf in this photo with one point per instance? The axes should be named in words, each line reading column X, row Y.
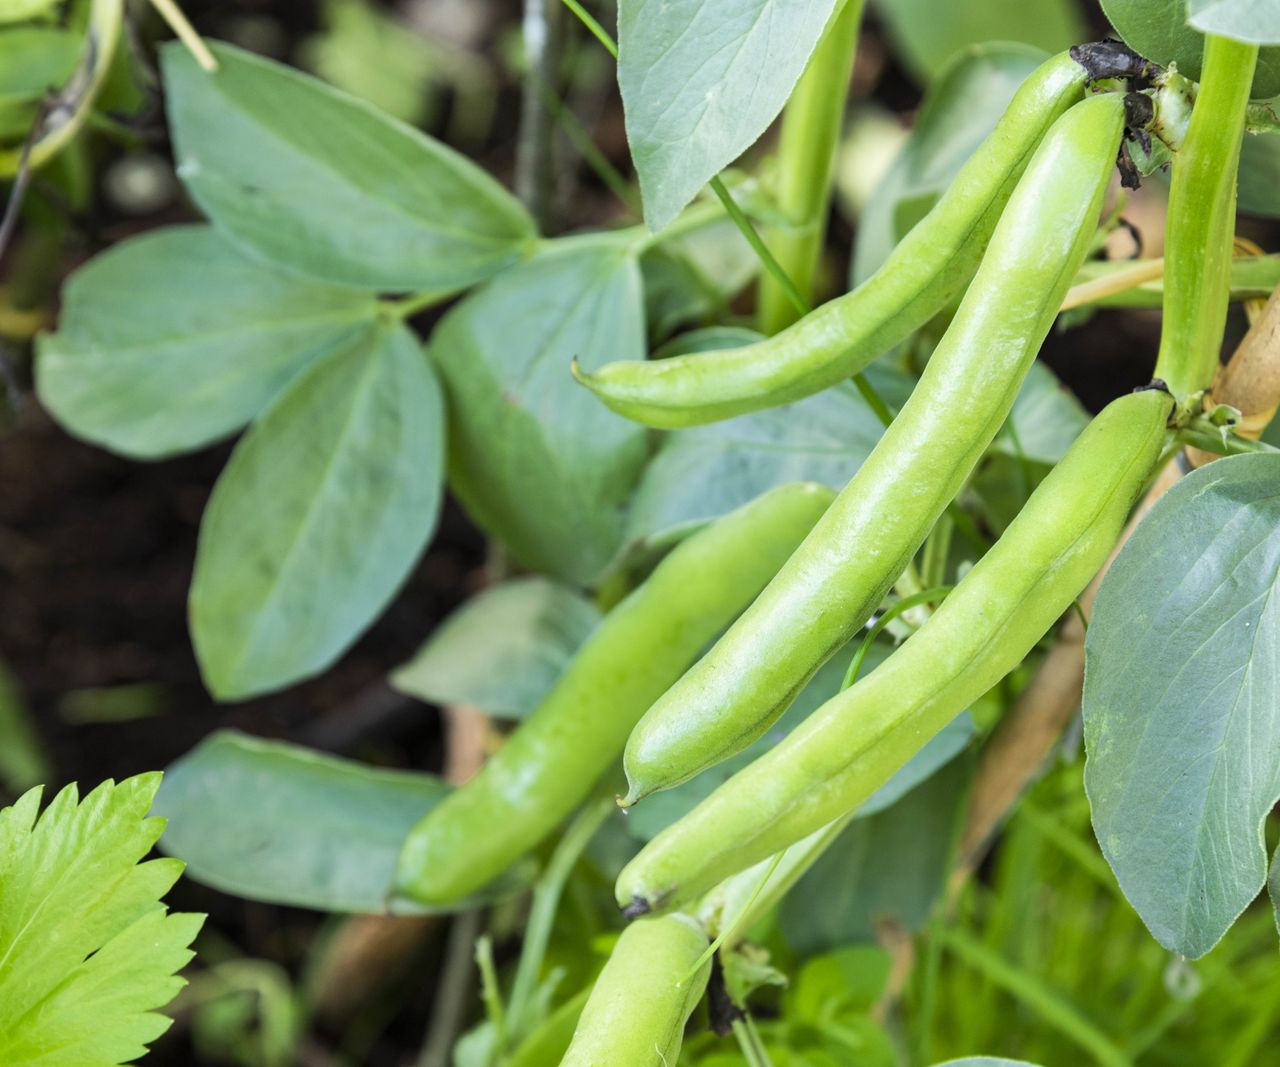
column 1259, row 191
column 1182, row 702
column 986, row 1061
column 284, row 824
column 33, row 60
column 87, row 951
column 928, row 34
column 693, row 278
column 1158, row 29
column 960, row 109
column 536, row 460
column 1046, row 417
column 23, row 763
column 1273, row 886
column 21, row 10
column 319, row 515
column 1245, row 20
column 706, row 471
column 503, row 650
column 326, row 185
column 893, row 864
column 174, row 339
column 701, row 82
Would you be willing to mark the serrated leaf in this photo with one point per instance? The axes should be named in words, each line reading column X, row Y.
column 319, row 515
column 928, row 34
column 1158, row 29
column 1257, row 21
column 701, row 82
column 537, row 461
column 503, row 650
column 960, row 109
column 1182, row 702
column 285, row 824
column 326, row 185
column 169, row 341
column 706, row 471
column 87, row 951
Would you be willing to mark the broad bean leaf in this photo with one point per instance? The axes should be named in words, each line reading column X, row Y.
column 659, row 811
column 928, row 34
column 1182, row 702
column 1158, row 29
column 1046, row 419
column 1245, row 20
column 503, row 650
column 706, row 471
column 88, row 953
column 326, row 185
column 1259, row 191
column 961, row 107
column 1273, row 886
column 318, row 516
column 537, row 461
column 174, row 339
column 693, row 278
column 285, row 824
column 893, row 864
column 701, row 82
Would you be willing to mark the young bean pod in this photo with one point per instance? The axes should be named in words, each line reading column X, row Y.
column 841, row 572
column 636, row 1014
column 928, row 268
column 554, row 758
column 851, row 745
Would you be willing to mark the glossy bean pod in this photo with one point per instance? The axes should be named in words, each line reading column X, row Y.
column 861, row 545
column 552, row 761
column 929, row 267
column 852, row 744
column 636, row 1014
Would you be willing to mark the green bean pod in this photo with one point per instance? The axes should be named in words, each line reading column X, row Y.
column 861, row 545
column 636, row 1014
column 552, row 761
column 929, row 267
column 856, row 741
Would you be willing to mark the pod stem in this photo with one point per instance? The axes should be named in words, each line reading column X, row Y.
column 811, row 127
column 1201, row 220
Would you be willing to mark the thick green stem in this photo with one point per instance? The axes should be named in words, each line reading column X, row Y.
column 811, row 127
column 1201, row 220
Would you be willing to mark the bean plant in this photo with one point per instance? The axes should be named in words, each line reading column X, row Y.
column 808, row 579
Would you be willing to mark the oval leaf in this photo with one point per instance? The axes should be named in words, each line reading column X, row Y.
column 284, row 824
column 700, row 82
column 503, row 650
column 537, row 461
column 327, row 185
column 1182, row 702
column 927, row 34
column 1245, row 20
column 1158, row 29
column 318, row 517
column 174, row 339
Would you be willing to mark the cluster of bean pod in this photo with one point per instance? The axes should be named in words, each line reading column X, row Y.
column 794, row 574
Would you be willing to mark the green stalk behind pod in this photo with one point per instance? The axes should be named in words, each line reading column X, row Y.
column 636, row 1014
column 855, row 742
column 551, row 763
column 861, row 545
column 929, row 267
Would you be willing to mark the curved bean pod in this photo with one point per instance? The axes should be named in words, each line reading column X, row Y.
column 636, row 1014
column 928, row 268
column 861, row 545
column 851, row 745
column 552, row 761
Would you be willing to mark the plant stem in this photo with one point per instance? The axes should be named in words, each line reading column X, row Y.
column 1201, row 220
column 535, row 147
column 542, row 913
column 811, row 127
